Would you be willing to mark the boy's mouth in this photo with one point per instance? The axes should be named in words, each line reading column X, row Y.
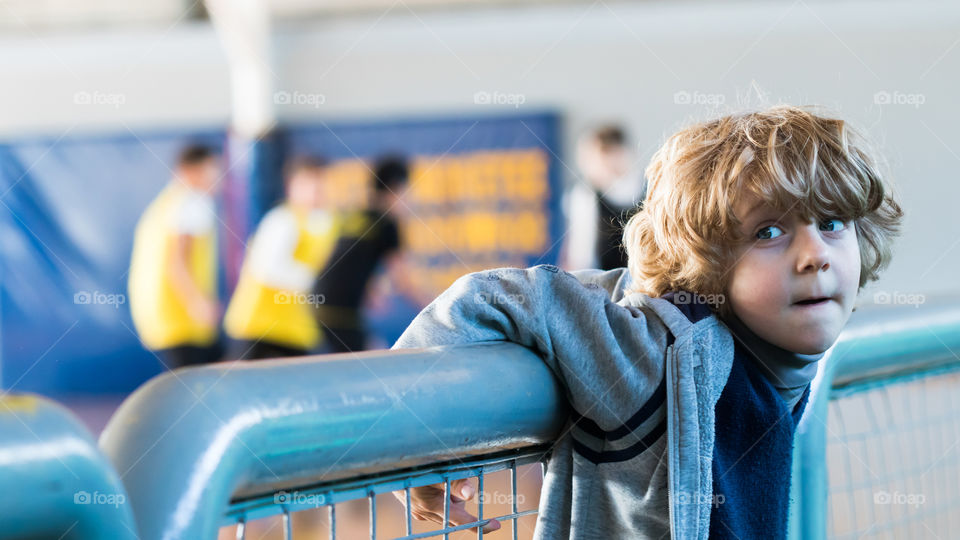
column 813, row 301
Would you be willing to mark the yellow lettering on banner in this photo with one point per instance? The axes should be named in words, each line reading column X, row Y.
column 469, row 212
column 521, row 231
column 509, row 171
column 481, row 230
column 426, row 182
column 413, row 238
column 455, row 182
column 516, row 176
column 534, row 227
column 434, row 240
column 533, row 168
column 486, row 187
column 513, row 176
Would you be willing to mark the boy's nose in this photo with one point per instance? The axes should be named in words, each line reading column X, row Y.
column 812, row 251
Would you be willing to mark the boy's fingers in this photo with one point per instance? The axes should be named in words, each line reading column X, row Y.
column 491, row 526
column 463, row 488
column 426, row 515
column 460, row 490
column 458, row 516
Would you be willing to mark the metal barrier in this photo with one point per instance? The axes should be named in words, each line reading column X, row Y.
column 55, row 482
column 227, row 444
column 883, row 414
column 204, row 447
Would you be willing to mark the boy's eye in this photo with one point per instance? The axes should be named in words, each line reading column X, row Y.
column 769, row 232
column 833, row 225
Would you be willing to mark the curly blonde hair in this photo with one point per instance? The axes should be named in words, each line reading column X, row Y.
column 786, row 156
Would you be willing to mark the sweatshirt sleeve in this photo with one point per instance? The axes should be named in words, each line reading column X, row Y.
column 608, row 357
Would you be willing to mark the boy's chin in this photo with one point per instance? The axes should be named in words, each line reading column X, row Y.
column 812, row 349
column 812, row 345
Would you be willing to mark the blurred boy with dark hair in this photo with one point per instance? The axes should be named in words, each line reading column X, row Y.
column 369, row 237
column 597, row 206
column 173, row 269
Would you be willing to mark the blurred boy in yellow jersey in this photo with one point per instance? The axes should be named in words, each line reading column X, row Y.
column 271, row 312
column 173, row 269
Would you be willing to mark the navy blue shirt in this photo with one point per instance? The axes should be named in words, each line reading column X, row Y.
column 752, row 454
column 754, row 427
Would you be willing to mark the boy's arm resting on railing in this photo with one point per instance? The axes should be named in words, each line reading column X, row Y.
column 607, row 357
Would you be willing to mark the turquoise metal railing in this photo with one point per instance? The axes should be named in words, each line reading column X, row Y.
column 849, row 458
column 202, row 447
column 54, row 481
column 224, row 444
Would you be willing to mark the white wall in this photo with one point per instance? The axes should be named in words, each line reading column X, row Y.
column 36, row 15
column 138, row 79
column 599, row 61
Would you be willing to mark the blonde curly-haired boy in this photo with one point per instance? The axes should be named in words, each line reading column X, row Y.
column 688, row 371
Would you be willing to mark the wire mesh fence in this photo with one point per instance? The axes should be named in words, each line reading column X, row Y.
column 893, row 459
column 507, row 490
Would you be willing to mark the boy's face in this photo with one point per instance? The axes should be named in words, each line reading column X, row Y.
column 202, row 176
column 785, row 260
column 307, row 189
column 601, row 167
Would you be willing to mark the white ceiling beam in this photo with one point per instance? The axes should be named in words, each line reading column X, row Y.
column 244, row 29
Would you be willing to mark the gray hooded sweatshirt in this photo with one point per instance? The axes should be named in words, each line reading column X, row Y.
column 612, row 473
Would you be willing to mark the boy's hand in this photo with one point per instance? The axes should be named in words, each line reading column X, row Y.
column 427, row 504
column 205, row 311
